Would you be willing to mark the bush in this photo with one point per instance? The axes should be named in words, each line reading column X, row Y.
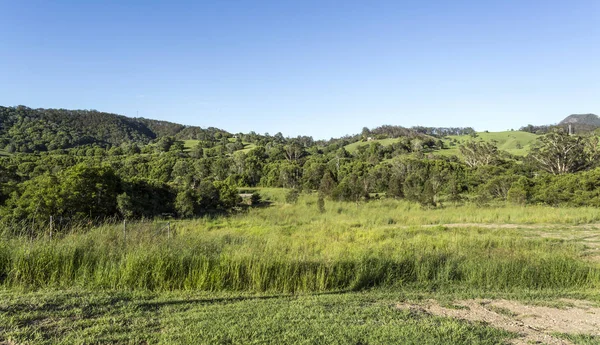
column 255, row 199
column 292, row 196
column 321, row 204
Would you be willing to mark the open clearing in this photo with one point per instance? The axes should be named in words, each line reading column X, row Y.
column 384, row 272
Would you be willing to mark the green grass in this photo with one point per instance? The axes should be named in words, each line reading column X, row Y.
column 293, row 248
column 580, row 339
column 79, row 317
column 515, row 142
column 189, row 144
column 4, row 153
column 287, row 274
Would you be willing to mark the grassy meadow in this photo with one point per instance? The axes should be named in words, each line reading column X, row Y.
column 286, row 273
column 514, row 142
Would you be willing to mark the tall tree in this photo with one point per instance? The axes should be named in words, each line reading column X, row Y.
column 560, row 153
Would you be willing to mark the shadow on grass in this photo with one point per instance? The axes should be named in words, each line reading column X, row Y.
column 66, row 302
column 226, row 300
column 86, row 305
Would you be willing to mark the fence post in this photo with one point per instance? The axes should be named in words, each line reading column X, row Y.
column 168, row 229
column 51, row 225
column 124, row 231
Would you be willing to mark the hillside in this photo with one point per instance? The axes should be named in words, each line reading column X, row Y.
column 514, row 142
column 581, row 123
column 582, row 119
column 23, row 129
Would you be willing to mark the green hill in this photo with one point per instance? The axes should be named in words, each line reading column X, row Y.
column 23, row 129
column 515, row 142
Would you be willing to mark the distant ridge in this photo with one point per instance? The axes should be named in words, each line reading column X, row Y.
column 582, row 119
column 23, row 129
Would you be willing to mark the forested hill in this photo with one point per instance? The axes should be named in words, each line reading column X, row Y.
column 23, row 129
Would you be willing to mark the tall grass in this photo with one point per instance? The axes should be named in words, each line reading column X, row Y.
column 294, row 248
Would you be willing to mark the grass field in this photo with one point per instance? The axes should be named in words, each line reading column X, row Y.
column 287, row 274
column 514, row 142
column 125, row 317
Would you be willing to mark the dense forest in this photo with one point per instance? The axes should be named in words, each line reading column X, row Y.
column 29, row 130
column 86, row 165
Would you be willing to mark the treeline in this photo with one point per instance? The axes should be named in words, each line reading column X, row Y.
column 576, row 128
column 71, row 192
column 164, row 179
column 29, row 130
column 157, row 176
column 26, row 130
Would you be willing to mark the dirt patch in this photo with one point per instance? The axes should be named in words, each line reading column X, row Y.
column 534, row 324
column 590, row 226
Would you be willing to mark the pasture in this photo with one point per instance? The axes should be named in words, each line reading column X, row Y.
column 287, row 273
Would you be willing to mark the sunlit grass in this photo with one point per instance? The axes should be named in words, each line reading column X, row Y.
column 294, row 248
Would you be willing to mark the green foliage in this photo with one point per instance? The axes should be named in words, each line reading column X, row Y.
column 350, row 249
column 321, row 203
column 185, row 203
column 125, row 205
column 78, row 192
column 559, row 153
column 153, row 161
column 27, row 130
column 519, row 191
column 292, row 196
column 228, row 194
column 255, row 199
column 478, row 153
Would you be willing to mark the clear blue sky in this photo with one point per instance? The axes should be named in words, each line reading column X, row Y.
column 320, row 68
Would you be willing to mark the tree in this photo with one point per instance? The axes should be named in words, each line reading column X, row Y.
column 208, row 196
column 518, row 192
column 255, row 199
column 328, row 184
column 125, row 205
column 292, row 196
column 184, row 203
column 164, row 144
column 560, row 153
column 228, row 194
column 478, row 153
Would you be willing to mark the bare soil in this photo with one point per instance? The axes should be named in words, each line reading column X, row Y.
column 534, row 324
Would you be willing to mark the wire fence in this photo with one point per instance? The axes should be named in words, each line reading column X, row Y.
column 57, row 227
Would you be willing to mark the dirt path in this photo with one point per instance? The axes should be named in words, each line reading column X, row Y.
column 590, row 226
column 535, row 324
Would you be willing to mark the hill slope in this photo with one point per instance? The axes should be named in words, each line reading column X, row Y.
column 582, row 119
column 23, row 129
column 581, row 123
column 515, row 142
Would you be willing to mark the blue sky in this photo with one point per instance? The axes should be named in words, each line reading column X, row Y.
column 320, row 68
